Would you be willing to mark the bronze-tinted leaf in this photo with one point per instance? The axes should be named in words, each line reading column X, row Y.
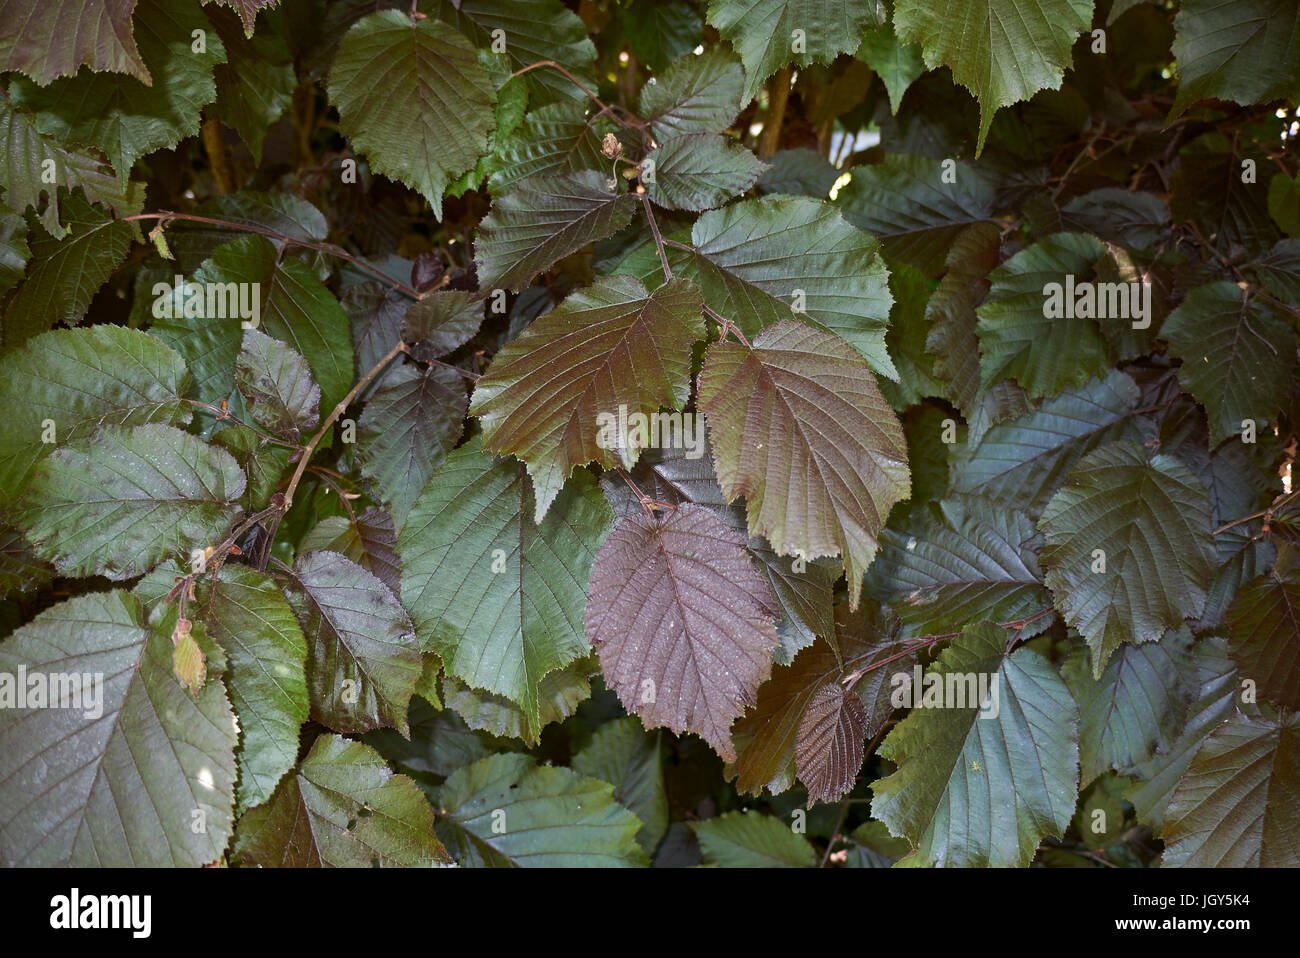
column 683, row 622
column 829, row 744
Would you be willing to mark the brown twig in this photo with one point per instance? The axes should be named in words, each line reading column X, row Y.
column 327, row 248
column 325, row 426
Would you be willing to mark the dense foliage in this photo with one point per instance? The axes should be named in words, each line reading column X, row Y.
column 356, row 364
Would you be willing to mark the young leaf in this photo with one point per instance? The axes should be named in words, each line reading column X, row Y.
column 120, row 502
column 136, row 733
column 505, row 811
column 412, row 97
column 768, row 737
column 829, row 745
column 370, row 541
column 363, row 660
column 560, row 395
column 1127, row 575
column 440, row 323
column 800, row 430
column 979, row 790
column 342, row 808
column 497, row 596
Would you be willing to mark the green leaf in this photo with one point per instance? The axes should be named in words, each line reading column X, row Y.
column 905, row 340
column 120, row 502
column 1235, row 806
column 800, row 172
column 79, row 380
column 194, row 242
column 412, row 96
column 1024, row 45
column 1135, row 709
column 138, row 763
column 959, row 563
column 1247, row 51
column 1284, row 202
column 1264, row 625
column 363, row 660
column 49, row 40
column 29, row 157
column 908, row 204
column 369, row 540
column 64, row 275
column 897, row 64
column 255, row 85
column 1214, row 677
column 123, row 116
column 695, row 94
column 342, row 808
column 761, row 261
column 682, row 621
column 1237, row 352
column 249, row 618
column 544, row 219
column 277, row 387
column 504, row 811
column 571, row 387
column 441, row 323
column 951, row 312
column 534, row 31
column 658, row 32
column 295, row 307
column 498, row 597
column 699, row 171
column 973, row 790
column 752, row 840
column 1157, row 552
column 20, row 569
column 622, row 753
column 799, row 428
column 559, row 693
column 554, row 139
column 1019, row 339
column 410, row 423
column 1020, row 462
column 770, row 34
